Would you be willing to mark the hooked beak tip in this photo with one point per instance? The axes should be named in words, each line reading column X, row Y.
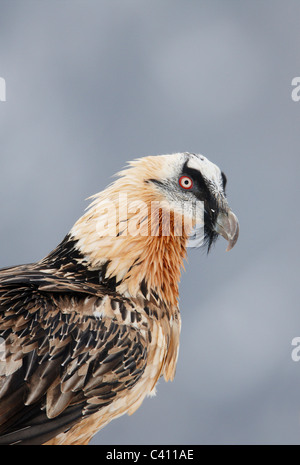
column 227, row 225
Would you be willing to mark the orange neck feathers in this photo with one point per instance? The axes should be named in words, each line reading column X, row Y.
column 129, row 227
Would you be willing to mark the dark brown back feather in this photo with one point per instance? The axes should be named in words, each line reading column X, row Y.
column 62, row 363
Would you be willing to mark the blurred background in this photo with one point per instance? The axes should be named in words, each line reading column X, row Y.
column 94, row 83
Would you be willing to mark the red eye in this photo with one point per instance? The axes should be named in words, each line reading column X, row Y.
column 185, row 182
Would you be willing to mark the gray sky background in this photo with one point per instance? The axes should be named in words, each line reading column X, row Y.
column 94, row 83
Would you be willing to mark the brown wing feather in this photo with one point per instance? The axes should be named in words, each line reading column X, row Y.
column 67, row 353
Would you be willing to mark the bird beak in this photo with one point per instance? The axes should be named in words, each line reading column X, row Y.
column 227, row 225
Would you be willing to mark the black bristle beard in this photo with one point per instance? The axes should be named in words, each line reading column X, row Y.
column 210, row 238
column 210, row 235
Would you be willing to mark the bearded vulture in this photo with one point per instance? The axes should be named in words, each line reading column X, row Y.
column 87, row 331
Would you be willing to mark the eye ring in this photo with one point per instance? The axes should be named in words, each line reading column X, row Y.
column 185, row 182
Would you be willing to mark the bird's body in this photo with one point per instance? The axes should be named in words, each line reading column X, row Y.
column 88, row 331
